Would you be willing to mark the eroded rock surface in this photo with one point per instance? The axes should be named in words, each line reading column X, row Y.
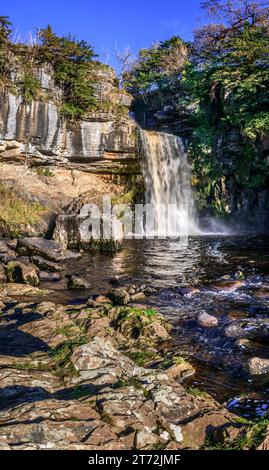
column 66, row 374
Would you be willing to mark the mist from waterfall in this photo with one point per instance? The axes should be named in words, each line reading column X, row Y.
column 167, row 176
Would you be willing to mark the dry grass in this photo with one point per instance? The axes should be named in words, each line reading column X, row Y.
column 16, row 214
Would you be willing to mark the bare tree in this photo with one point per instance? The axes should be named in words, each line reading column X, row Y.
column 125, row 60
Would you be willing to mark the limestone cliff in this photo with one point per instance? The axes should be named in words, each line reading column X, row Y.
column 37, row 129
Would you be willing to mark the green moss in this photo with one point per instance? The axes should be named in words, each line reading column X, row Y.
column 62, row 353
column 141, row 358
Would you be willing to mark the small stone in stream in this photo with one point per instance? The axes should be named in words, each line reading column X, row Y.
column 138, row 296
column 207, row 321
column 234, row 331
column 22, row 273
column 49, row 277
column 77, row 282
column 119, row 296
column 258, row 367
column 46, row 265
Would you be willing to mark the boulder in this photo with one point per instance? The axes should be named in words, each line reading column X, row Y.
column 22, row 273
column 258, row 367
column 77, row 282
column 49, row 249
column 119, row 296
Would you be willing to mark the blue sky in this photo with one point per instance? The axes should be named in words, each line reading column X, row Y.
column 107, row 24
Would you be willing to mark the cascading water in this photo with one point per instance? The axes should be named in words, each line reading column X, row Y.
column 168, row 184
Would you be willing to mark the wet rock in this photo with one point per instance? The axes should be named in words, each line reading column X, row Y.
column 49, row 277
column 77, row 282
column 137, row 297
column 49, row 249
column 119, row 296
column 46, row 265
column 244, row 344
column 234, row 331
column 21, row 273
column 257, row 367
column 229, row 286
column 207, row 321
column 188, row 291
column 254, row 329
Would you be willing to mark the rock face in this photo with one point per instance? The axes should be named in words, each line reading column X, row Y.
column 37, row 129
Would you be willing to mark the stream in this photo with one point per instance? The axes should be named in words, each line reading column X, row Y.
column 202, row 262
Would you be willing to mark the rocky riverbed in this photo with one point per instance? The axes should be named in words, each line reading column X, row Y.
column 106, row 371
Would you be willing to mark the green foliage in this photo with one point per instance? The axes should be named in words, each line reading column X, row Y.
column 226, row 83
column 5, row 33
column 29, row 87
column 157, row 67
column 141, row 358
column 71, row 60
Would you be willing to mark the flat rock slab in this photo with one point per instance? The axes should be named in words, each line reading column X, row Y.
column 16, row 290
column 49, row 249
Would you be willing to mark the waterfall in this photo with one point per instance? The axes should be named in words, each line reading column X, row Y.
column 168, row 184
